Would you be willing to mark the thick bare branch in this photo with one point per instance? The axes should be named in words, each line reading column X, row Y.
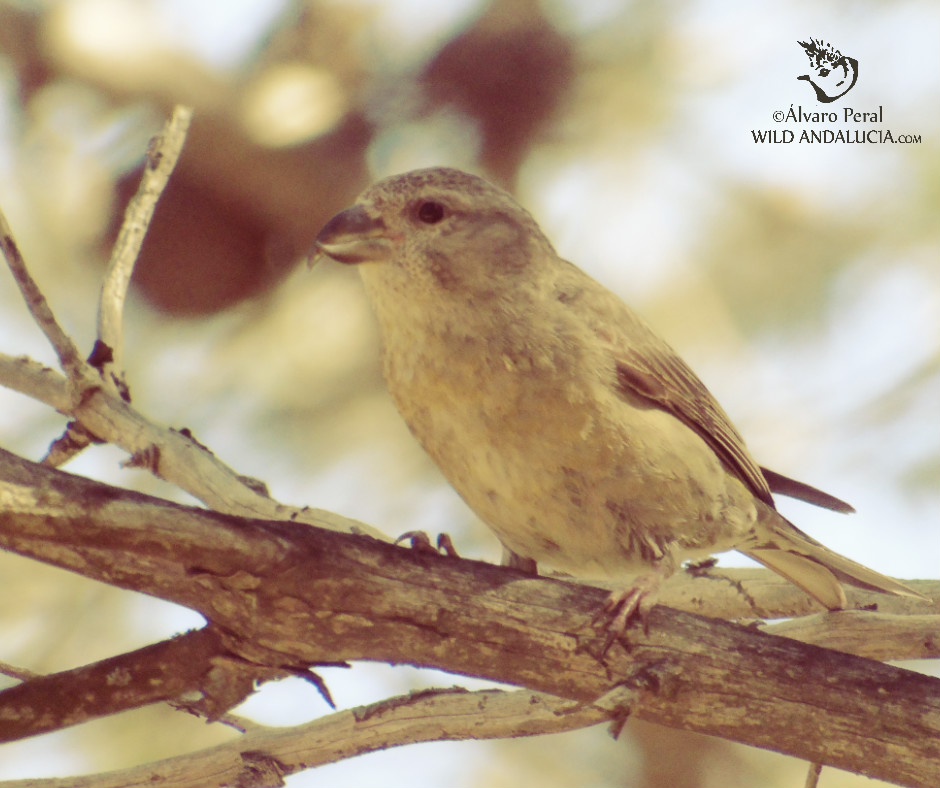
column 154, row 673
column 284, row 595
column 435, row 715
column 129, row 556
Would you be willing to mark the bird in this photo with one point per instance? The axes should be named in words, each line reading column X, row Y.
column 574, row 432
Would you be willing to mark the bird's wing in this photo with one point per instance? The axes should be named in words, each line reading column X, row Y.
column 655, row 373
column 646, row 367
column 661, row 376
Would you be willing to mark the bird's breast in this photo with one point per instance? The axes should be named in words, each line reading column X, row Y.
column 562, row 469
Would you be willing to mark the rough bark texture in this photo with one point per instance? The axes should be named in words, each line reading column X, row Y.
column 284, row 596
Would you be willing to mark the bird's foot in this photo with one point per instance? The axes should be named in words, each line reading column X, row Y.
column 629, row 604
column 516, row 561
column 700, row 568
column 421, row 542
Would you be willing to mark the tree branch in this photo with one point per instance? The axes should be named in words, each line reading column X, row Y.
column 159, row 672
column 264, row 755
column 867, row 633
column 282, row 597
column 162, row 156
column 62, row 343
column 173, row 455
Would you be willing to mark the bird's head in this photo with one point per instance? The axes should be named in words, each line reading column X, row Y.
column 436, row 231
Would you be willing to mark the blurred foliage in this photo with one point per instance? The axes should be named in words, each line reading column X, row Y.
column 801, row 282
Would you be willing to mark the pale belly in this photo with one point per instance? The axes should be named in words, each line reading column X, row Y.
column 594, row 487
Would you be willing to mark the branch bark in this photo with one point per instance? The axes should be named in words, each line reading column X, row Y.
column 282, row 596
column 262, row 756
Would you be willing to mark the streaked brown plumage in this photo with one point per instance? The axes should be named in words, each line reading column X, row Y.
column 572, row 430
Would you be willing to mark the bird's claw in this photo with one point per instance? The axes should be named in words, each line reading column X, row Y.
column 700, row 567
column 421, row 542
column 627, row 605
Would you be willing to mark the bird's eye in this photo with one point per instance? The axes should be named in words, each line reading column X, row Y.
column 430, row 212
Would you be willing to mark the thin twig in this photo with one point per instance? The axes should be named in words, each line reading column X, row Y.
column 175, row 455
column 162, row 155
column 69, row 357
column 105, row 361
column 812, row 776
column 35, row 380
column 13, row 671
column 81, row 377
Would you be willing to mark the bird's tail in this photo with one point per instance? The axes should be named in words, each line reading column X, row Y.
column 816, row 569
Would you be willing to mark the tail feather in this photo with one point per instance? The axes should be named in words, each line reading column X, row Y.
column 784, row 485
column 815, row 568
column 814, row 578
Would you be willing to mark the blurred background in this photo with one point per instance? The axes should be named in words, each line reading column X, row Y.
column 799, row 280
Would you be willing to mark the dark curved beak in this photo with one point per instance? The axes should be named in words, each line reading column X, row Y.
column 353, row 236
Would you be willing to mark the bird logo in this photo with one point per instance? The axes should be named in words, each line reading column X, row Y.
column 833, row 74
